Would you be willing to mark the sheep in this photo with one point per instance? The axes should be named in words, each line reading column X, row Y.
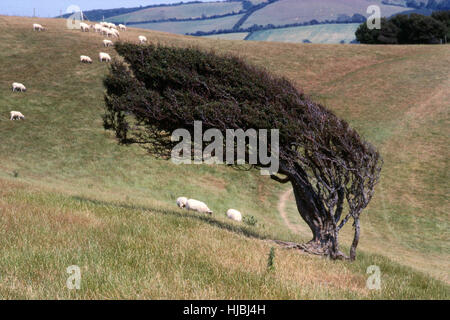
column 16, row 115
column 234, row 215
column 115, row 33
column 107, row 43
column 142, row 39
column 109, row 25
column 105, row 31
column 195, row 205
column 38, row 27
column 84, row 27
column 85, row 59
column 104, row 56
column 97, row 27
column 181, row 202
column 109, row 32
column 18, row 87
column 122, row 27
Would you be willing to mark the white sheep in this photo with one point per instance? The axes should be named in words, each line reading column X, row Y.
column 181, row 202
column 195, row 205
column 106, row 31
column 107, row 43
column 142, row 39
column 18, row 87
column 97, row 27
column 234, row 215
column 84, row 27
column 16, row 115
column 85, row 59
column 122, row 27
column 38, row 27
column 115, row 33
column 104, row 57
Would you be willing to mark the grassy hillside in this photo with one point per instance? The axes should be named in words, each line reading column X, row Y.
column 293, row 11
column 69, row 195
column 183, row 27
column 186, row 11
column 323, row 33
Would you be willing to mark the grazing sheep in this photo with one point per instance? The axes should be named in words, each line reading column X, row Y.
column 195, row 205
column 110, row 32
column 181, row 202
column 115, row 33
column 105, row 31
column 107, row 43
column 97, row 27
column 16, row 115
column 234, row 215
column 104, row 57
column 85, row 59
column 142, row 39
column 122, row 27
column 84, row 27
column 18, row 87
column 38, row 27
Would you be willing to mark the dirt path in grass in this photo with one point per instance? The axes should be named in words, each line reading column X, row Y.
column 296, row 228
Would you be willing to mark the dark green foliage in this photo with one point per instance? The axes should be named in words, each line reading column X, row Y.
column 406, row 29
column 443, row 17
column 250, row 220
column 271, row 260
column 367, row 36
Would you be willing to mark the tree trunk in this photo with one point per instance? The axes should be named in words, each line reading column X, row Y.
column 323, row 227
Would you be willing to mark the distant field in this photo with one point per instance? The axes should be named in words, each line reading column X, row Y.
column 229, row 36
column 195, row 10
column 293, row 11
column 258, row 1
column 183, row 27
column 324, row 33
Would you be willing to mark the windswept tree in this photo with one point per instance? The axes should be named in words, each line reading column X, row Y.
column 333, row 171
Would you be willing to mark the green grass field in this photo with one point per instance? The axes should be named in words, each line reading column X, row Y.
column 194, row 10
column 183, row 27
column 293, row 11
column 324, row 33
column 69, row 195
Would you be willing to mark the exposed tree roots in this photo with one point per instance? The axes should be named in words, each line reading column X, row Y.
column 312, row 248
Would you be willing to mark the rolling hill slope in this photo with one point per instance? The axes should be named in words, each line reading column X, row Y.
column 186, row 11
column 293, row 11
column 322, row 33
column 184, row 27
column 69, row 195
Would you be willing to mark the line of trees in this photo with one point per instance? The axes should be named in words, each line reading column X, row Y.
column 408, row 29
column 356, row 18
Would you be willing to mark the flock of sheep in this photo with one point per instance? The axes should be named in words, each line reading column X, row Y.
column 105, row 28
column 110, row 29
column 198, row 206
